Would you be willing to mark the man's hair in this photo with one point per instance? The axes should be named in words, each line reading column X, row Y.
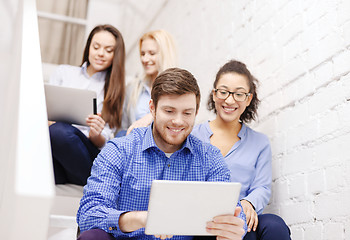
column 175, row 81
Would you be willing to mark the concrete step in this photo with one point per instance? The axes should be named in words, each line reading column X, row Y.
column 63, row 224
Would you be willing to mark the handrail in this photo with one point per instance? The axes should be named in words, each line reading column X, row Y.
column 27, row 198
column 62, row 18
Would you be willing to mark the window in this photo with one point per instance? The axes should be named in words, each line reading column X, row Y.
column 62, row 26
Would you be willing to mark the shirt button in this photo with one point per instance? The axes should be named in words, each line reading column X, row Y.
column 110, row 228
column 168, row 165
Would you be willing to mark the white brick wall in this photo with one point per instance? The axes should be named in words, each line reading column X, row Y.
column 300, row 52
column 312, row 231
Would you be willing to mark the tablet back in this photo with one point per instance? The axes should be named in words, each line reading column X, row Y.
column 184, row 207
column 69, row 105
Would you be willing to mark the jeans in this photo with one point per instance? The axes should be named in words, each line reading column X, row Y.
column 95, row 234
column 270, row 227
column 72, row 153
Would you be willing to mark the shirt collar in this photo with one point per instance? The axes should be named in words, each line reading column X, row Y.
column 146, row 87
column 149, row 141
column 243, row 132
column 98, row 76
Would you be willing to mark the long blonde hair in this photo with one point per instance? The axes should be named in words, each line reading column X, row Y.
column 167, row 59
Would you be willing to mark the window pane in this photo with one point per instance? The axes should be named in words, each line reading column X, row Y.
column 62, row 42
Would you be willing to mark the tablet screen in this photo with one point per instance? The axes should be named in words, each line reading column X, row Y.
column 184, row 207
column 69, row 105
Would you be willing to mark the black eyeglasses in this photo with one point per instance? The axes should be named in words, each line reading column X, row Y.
column 237, row 96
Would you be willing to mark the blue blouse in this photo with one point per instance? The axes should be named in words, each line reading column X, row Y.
column 132, row 113
column 249, row 161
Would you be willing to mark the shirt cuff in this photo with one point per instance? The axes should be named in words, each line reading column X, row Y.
column 112, row 226
column 112, row 223
column 253, row 205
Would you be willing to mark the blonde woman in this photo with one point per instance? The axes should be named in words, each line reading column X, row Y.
column 157, row 53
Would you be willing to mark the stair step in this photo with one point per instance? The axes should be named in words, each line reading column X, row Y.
column 63, row 213
column 61, row 221
column 62, row 227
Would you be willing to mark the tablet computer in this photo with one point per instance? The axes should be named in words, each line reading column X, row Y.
column 184, row 207
column 69, row 105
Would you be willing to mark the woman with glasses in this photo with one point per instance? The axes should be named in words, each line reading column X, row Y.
column 246, row 152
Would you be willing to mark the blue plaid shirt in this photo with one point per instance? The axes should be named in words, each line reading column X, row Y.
column 122, row 174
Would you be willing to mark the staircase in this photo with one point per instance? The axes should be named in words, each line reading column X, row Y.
column 62, row 225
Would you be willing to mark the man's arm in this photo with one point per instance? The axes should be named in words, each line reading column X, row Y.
column 217, row 168
column 132, row 221
column 98, row 207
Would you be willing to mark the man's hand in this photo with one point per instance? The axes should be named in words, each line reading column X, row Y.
column 163, row 236
column 227, row 226
column 142, row 122
column 251, row 215
column 132, row 221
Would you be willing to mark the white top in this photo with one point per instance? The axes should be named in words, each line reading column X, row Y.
column 77, row 77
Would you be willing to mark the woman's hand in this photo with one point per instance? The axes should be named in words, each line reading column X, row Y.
column 142, row 122
column 251, row 215
column 96, row 124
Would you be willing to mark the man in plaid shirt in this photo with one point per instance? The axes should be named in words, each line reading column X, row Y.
column 115, row 201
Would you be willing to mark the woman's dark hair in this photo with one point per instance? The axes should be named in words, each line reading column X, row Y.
column 114, row 89
column 234, row 66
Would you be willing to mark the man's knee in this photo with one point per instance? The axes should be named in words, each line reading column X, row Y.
column 95, row 234
column 60, row 131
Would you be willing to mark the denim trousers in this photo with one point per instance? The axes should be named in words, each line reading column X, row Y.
column 72, row 153
column 95, row 234
column 270, row 227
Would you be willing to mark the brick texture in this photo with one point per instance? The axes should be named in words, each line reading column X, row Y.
column 300, row 52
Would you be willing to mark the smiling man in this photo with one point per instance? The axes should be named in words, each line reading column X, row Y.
column 115, row 201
